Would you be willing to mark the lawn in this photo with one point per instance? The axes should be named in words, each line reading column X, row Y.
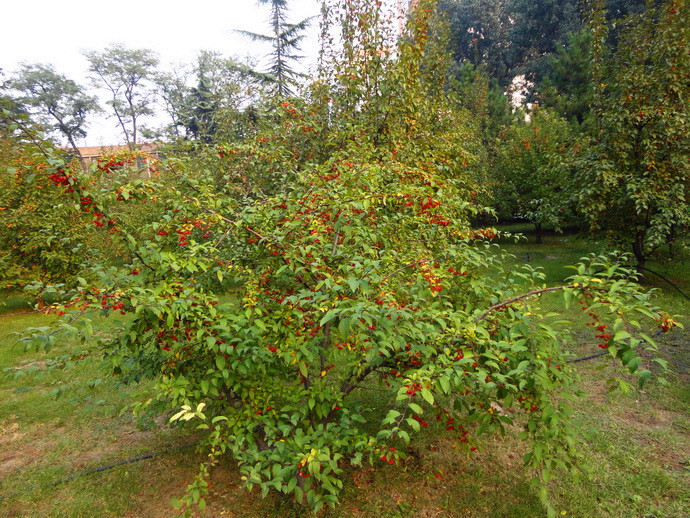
column 53, row 423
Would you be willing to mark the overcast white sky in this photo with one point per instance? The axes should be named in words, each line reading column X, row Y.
column 55, row 32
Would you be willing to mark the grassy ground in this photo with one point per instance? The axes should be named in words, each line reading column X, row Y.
column 637, row 445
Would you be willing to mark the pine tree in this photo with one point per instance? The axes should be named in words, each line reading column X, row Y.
column 285, row 40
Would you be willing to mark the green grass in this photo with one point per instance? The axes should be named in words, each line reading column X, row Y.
column 637, row 444
column 44, row 437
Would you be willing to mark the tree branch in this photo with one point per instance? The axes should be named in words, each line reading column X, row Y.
column 520, row 297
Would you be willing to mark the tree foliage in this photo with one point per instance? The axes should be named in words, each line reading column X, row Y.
column 568, row 87
column 528, row 178
column 636, row 178
column 285, row 40
column 58, row 103
column 41, row 242
column 480, row 35
column 222, row 105
column 126, row 75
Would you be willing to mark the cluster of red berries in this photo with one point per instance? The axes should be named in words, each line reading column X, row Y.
column 413, row 389
column 108, row 303
column 482, row 233
column 603, row 336
column 111, row 164
column 421, row 421
column 443, row 222
column 433, row 280
column 429, row 203
column 666, row 324
column 182, row 235
column 60, row 178
column 287, row 108
column 389, row 460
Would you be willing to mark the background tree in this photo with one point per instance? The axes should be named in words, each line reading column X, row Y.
column 126, row 74
column 480, row 35
column 58, row 103
column 513, row 38
column 539, row 27
column 567, row 86
column 285, row 40
column 223, row 99
column 529, row 184
column 637, row 181
column 172, row 88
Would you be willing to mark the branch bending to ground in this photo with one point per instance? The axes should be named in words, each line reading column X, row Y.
column 520, row 297
column 46, row 309
column 43, row 310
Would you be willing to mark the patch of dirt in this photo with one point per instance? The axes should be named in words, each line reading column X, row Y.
column 95, row 450
column 9, row 433
column 647, row 418
column 8, row 464
column 26, row 364
column 675, row 347
column 168, row 478
column 18, row 449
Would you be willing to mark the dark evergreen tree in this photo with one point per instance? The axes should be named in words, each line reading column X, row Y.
column 479, row 34
column 567, row 86
column 223, row 90
column 285, row 40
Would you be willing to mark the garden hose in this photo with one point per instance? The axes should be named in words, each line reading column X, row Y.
column 96, row 470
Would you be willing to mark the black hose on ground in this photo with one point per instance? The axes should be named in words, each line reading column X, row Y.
column 673, row 284
column 590, row 357
column 603, row 353
column 96, row 470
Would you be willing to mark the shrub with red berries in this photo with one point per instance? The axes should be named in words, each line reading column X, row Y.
column 350, row 237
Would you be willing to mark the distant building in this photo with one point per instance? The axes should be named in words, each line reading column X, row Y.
column 93, row 153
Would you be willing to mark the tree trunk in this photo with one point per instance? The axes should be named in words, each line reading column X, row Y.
column 134, row 133
column 638, row 248
column 76, row 152
column 540, row 233
column 671, row 240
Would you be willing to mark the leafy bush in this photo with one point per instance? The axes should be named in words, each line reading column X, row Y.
column 360, row 270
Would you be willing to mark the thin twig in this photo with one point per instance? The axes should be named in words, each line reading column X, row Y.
column 423, row 261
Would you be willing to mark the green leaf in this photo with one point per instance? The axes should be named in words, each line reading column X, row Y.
column 634, row 364
column 415, row 407
column 291, row 485
column 344, row 326
column 329, row 316
column 413, row 424
column 643, row 377
column 353, row 283
column 427, row 395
